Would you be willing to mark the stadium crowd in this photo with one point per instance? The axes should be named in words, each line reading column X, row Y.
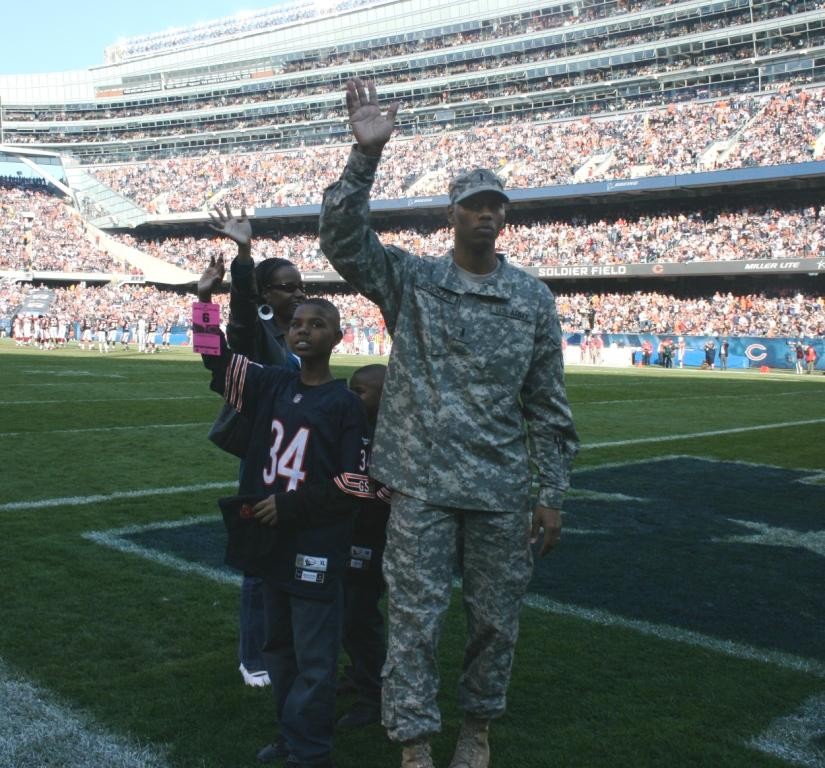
column 765, row 232
column 39, row 231
column 680, row 138
column 787, row 314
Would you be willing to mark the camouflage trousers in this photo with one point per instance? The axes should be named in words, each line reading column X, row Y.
column 426, row 545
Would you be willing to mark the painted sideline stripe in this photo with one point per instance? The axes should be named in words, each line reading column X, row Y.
column 113, row 539
column 573, row 493
column 106, row 429
column 36, row 730
column 761, row 396
column 794, row 738
column 77, row 501
column 74, row 401
column 675, row 634
column 710, row 433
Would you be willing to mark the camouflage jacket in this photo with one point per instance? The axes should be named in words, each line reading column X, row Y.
column 474, row 391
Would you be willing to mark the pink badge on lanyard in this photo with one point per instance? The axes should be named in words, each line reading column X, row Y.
column 206, row 319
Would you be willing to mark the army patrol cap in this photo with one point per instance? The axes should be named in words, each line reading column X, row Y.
column 475, row 182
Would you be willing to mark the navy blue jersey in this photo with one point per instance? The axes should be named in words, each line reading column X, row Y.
column 308, row 447
column 369, row 535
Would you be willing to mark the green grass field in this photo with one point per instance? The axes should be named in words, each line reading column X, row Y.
column 681, row 621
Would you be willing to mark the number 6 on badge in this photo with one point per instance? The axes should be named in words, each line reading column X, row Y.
column 206, row 318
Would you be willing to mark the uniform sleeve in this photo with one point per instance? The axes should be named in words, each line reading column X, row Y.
column 328, row 501
column 242, row 327
column 235, row 377
column 353, row 248
column 553, row 439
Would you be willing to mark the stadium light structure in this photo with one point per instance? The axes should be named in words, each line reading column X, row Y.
column 753, row 34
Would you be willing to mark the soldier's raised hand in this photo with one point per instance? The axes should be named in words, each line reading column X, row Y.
column 371, row 128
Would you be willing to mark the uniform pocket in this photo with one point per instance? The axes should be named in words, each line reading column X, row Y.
column 436, row 309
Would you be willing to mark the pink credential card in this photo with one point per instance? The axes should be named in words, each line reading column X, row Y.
column 206, row 319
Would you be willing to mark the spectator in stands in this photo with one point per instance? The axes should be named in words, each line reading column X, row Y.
column 742, row 130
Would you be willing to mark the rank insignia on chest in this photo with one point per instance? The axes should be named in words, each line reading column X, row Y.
column 297, row 398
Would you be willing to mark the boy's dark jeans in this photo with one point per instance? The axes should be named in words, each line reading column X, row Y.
column 364, row 639
column 301, row 656
column 252, row 624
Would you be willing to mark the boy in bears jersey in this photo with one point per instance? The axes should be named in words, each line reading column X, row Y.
column 306, row 466
column 364, row 639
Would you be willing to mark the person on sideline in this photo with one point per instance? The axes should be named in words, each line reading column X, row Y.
column 303, row 475
column 810, row 358
column 364, row 640
column 474, row 399
column 275, row 283
column 724, row 349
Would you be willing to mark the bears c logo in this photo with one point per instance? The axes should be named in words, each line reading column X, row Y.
column 756, row 352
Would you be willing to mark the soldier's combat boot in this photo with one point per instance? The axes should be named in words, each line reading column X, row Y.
column 472, row 749
column 416, row 754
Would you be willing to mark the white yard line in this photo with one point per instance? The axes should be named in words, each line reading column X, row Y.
column 584, row 446
column 679, row 635
column 114, row 539
column 692, row 435
column 76, row 501
column 78, row 430
column 36, row 730
column 647, row 401
column 794, row 738
column 71, row 401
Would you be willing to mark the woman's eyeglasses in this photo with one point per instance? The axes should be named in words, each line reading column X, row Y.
column 285, row 287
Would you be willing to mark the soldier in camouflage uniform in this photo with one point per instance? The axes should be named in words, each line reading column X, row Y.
column 474, row 393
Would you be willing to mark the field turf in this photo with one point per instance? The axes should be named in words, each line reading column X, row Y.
column 681, row 621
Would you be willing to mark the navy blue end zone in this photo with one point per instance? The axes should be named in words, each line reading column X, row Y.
column 670, row 554
column 203, row 542
column 675, row 557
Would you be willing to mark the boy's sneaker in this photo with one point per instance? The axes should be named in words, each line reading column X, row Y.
column 271, row 753
column 416, row 754
column 255, row 679
column 362, row 714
